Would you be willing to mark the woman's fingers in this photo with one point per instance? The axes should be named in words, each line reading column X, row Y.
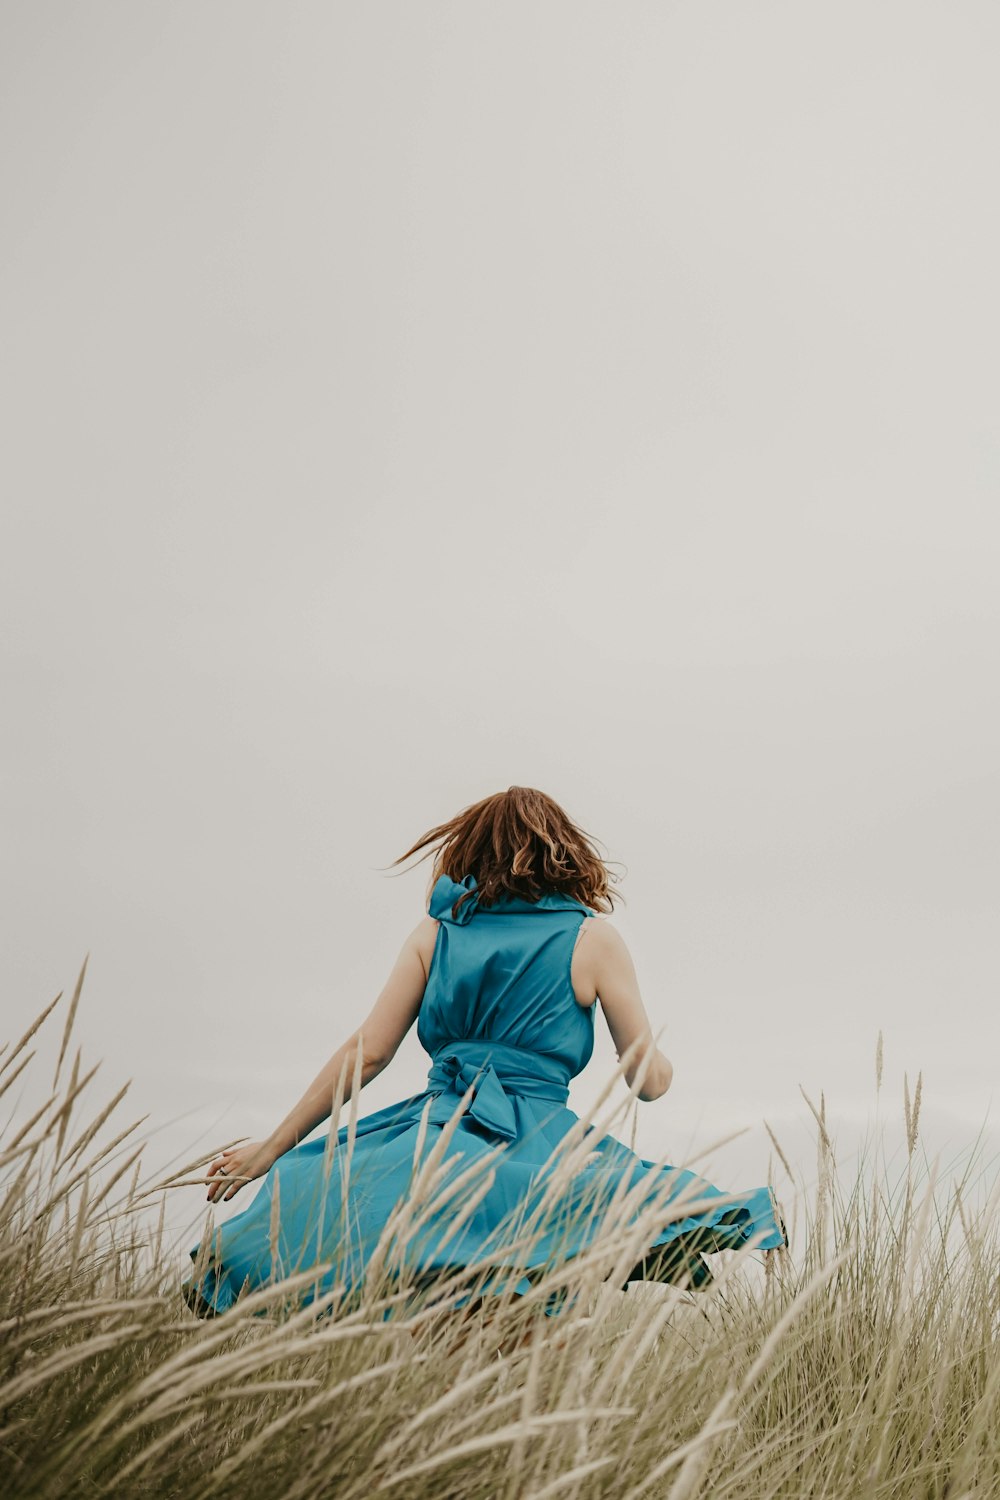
column 227, row 1172
column 226, row 1183
column 215, row 1168
column 217, row 1177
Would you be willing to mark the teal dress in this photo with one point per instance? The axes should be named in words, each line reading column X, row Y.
column 499, row 1014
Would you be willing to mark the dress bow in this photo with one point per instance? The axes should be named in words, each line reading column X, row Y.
column 490, row 1104
column 446, row 892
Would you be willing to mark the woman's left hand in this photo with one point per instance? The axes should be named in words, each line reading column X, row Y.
column 236, row 1166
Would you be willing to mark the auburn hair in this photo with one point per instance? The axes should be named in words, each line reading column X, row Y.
column 519, row 842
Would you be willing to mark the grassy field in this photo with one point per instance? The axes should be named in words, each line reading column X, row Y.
column 865, row 1364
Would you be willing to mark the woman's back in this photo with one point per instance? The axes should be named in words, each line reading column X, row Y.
column 503, row 973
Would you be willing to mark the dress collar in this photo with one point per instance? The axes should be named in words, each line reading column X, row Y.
column 447, row 891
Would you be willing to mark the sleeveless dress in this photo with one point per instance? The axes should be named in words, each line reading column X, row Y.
column 498, row 1014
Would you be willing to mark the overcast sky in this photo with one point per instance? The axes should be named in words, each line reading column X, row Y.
column 402, row 401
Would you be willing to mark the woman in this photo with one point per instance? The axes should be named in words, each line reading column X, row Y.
column 503, row 976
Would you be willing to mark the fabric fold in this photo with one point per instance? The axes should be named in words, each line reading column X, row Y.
column 444, row 895
column 497, row 1071
column 490, row 1105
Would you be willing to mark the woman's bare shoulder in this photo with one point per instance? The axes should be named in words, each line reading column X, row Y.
column 424, row 938
column 591, row 952
column 601, row 929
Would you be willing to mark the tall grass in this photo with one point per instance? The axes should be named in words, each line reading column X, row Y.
column 865, row 1365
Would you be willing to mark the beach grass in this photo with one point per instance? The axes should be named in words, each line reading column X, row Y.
column 864, row 1362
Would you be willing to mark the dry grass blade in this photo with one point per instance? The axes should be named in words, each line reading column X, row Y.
column 219, row 1481
column 172, row 1369
column 71, row 1016
column 501, row 1438
column 352, row 1124
column 10, row 1151
column 62, row 1193
column 573, row 1477
column 16, row 1073
column 911, row 1139
column 158, row 1446
column 84, row 1140
column 631, row 1352
column 451, row 1397
column 129, row 1161
column 43, row 1322
column 781, row 1155
column 190, row 1376
column 793, row 1311
column 45, row 1371
column 26, row 1038
column 294, row 1414
column 30, row 1124
column 259, row 1387
column 686, row 1453
column 65, row 1113
column 80, row 1225
column 694, row 1465
column 106, row 1151
column 818, row 1118
column 274, row 1228
column 479, row 1416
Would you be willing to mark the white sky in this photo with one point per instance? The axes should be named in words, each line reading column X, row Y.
column 403, row 401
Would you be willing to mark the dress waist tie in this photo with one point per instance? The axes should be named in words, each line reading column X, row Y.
column 497, row 1070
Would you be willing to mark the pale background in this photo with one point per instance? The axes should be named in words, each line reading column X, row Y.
column 402, row 401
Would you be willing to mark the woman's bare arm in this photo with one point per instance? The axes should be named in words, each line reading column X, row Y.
column 375, row 1042
column 377, row 1038
column 625, row 1013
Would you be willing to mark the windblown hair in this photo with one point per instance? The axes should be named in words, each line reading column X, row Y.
column 521, row 843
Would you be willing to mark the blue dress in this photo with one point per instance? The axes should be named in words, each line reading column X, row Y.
column 498, row 1013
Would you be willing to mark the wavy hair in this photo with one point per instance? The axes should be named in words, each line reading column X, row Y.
column 519, row 842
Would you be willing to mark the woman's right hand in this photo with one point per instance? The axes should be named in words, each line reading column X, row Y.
column 236, row 1166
